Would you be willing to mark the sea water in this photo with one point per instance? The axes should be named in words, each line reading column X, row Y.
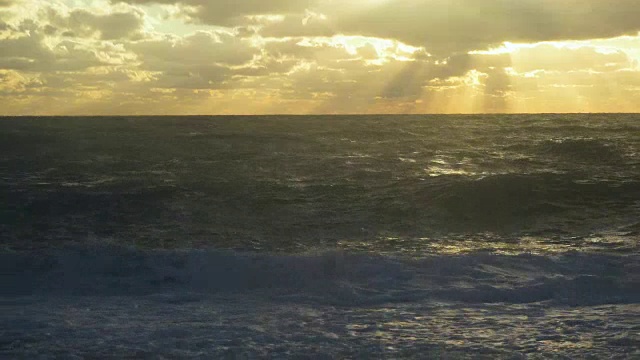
column 414, row 236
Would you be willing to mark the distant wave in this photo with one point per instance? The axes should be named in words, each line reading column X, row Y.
column 584, row 149
column 332, row 278
column 507, row 190
column 510, row 201
column 502, row 203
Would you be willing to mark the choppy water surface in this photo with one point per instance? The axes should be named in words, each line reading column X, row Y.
column 505, row 236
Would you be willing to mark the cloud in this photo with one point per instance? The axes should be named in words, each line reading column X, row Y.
column 309, row 24
column 13, row 82
column 578, row 91
column 110, row 26
column 318, row 56
column 200, row 60
column 231, row 12
column 463, row 25
column 47, row 39
column 552, row 58
column 202, row 47
column 29, row 52
column 441, row 26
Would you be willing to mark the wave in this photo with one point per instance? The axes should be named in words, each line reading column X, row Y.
column 583, row 149
column 512, row 202
column 586, row 151
column 336, row 278
column 271, row 216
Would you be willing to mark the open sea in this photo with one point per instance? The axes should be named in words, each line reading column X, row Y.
column 320, row 237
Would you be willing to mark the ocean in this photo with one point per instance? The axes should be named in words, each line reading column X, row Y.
column 321, row 237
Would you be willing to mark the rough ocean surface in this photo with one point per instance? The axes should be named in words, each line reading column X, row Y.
column 454, row 237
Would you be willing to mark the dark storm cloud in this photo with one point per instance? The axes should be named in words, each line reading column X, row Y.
column 462, row 25
column 443, row 27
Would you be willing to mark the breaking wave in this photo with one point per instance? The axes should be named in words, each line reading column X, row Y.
column 336, row 278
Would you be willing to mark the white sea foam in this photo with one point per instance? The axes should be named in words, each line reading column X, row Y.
column 108, row 301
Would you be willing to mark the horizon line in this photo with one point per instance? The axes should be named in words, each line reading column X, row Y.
column 320, row 114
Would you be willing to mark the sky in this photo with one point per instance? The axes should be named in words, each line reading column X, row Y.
column 187, row 57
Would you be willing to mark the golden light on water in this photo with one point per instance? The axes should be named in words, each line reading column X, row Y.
column 489, row 243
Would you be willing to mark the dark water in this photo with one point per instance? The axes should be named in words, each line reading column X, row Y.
column 295, row 183
column 491, row 236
